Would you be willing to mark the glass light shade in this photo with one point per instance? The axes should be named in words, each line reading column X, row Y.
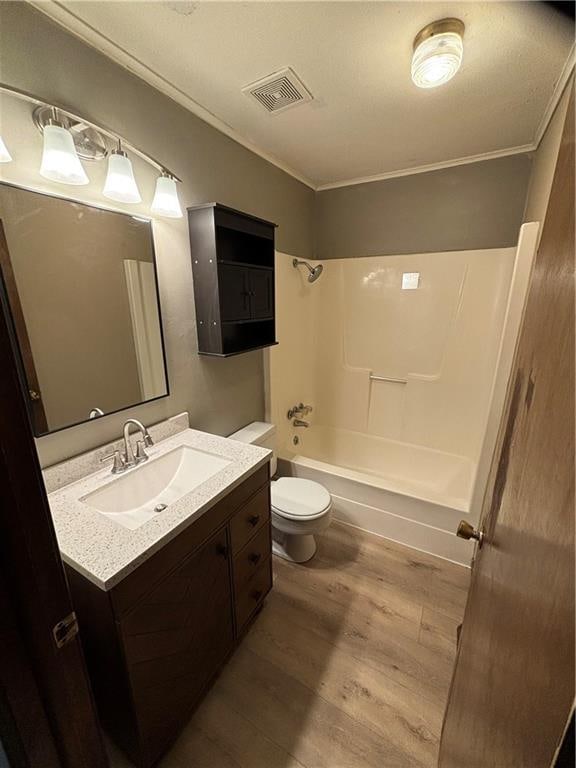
column 437, row 59
column 120, row 183
column 59, row 159
column 5, row 156
column 166, row 201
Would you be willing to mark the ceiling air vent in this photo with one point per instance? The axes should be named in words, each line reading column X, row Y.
column 279, row 91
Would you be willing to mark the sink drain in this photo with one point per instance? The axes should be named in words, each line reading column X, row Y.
column 160, row 507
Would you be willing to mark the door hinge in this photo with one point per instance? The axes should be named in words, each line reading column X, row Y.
column 65, row 630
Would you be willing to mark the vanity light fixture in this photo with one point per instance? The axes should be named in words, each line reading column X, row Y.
column 166, row 202
column 120, row 183
column 70, row 138
column 438, row 50
column 5, row 156
column 60, row 161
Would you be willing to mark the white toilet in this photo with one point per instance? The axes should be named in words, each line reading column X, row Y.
column 300, row 508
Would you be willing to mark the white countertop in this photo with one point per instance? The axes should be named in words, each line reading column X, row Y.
column 104, row 551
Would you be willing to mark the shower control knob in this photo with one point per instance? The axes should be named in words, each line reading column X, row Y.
column 467, row 531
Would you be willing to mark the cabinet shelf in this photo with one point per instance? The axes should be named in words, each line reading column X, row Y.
column 233, row 269
column 241, row 264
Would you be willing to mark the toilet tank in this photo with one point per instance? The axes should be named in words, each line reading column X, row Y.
column 259, row 433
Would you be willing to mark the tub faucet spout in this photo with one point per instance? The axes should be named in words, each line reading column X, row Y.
column 300, row 423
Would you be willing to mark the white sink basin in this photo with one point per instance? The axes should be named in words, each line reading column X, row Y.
column 146, row 491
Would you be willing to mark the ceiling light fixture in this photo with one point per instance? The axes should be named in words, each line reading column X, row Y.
column 5, row 156
column 166, row 201
column 438, row 50
column 120, row 184
column 60, row 161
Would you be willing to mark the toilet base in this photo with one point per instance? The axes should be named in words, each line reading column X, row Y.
column 297, row 548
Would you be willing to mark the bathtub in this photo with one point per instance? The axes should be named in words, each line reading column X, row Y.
column 408, row 493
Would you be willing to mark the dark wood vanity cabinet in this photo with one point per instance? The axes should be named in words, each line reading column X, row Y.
column 233, row 268
column 156, row 640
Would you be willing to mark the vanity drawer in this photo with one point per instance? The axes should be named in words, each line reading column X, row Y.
column 249, row 519
column 251, row 556
column 252, row 594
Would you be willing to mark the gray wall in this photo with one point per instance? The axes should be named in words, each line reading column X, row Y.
column 479, row 205
column 545, row 159
column 37, row 55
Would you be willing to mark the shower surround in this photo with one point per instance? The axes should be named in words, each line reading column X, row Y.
column 405, row 360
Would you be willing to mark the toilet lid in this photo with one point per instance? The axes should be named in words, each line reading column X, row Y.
column 294, row 497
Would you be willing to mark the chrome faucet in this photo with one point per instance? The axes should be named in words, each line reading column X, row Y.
column 300, row 423
column 131, row 459
column 127, row 459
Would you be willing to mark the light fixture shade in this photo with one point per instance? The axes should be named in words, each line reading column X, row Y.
column 5, row 156
column 437, row 55
column 120, row 183
column 59, row 159
column 166, row 201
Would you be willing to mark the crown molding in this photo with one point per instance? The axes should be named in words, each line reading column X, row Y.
column 63, row 16
column 95, row 39
column 523, row 149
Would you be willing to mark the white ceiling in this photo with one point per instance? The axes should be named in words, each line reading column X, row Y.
column 367, row 118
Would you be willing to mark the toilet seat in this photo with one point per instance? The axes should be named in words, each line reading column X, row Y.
column 297, row 499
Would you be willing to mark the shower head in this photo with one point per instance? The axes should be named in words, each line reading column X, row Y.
column 315, row 272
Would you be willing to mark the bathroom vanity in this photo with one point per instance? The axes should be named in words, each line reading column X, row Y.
column 162, row 605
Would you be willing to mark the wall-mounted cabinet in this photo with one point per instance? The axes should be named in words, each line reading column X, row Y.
column 233, row 268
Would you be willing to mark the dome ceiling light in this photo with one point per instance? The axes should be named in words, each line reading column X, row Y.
column 438, row 50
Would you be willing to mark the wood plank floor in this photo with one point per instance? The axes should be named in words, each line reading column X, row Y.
column 347, row 666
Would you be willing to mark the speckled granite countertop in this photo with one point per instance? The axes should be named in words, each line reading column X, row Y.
column 104, row 551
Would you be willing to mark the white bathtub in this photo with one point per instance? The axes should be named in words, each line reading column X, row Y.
column 405, row 492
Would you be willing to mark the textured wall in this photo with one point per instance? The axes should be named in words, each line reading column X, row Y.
column 38, row 56
column 466, row 207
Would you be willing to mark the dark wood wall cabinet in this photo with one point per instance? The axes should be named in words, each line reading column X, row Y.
column 155, row 641
column 233, row 268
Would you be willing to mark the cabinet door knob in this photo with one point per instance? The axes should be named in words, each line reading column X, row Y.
column 222, row 550
column 253, row 520
column 255, row 558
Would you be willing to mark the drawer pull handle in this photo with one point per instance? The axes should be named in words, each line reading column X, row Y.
column 255, row 558
column 222, row 550
column 254, row 519
column 257, row 595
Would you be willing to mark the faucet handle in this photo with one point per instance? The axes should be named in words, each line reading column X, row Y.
column 299, row 410
column 119, row 463
column 141, row 454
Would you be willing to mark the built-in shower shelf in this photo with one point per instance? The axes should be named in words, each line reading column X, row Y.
column 233, row 267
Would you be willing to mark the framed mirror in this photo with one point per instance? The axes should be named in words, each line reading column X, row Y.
column 81, row 287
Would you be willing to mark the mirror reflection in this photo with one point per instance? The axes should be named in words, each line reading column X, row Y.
column 80, row 285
